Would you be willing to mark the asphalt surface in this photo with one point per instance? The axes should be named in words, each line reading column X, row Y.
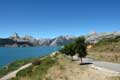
column 102, row 64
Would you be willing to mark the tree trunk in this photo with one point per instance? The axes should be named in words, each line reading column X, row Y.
column 80, row 60
column 72, row 58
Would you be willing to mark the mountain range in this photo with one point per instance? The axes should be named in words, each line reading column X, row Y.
column 17, row 41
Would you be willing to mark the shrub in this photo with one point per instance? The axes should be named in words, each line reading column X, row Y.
column 36, row 62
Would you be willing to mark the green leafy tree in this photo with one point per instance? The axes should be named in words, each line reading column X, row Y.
column 69, row 49
column 80, row 47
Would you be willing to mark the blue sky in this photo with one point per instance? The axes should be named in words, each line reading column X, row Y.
column 51, row 18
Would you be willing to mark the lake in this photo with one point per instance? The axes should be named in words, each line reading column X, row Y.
column 8, row 55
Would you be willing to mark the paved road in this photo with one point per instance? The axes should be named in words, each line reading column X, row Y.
column 107, row 65
column 13, row 73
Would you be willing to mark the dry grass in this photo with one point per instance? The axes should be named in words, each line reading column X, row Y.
column 70, row 70
column 106, row 50
column 62, row 69
column 105, row 56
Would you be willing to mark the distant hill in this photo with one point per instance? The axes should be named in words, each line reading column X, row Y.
column 107, row 48
column 107, row 45
column 16, row 41
column 6, row 41
column 96, row 37
column 11, row 43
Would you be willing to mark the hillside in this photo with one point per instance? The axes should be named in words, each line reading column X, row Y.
column 106, row 49
column 93, row 38
column 6, row 42
column 60, row 67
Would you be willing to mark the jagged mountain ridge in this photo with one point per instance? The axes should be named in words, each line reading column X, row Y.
column 15, row 40
column 30, row 41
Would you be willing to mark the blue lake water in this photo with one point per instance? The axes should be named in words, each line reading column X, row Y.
column 8, row 55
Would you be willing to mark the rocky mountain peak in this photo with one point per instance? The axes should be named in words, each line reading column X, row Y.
column 15, row 35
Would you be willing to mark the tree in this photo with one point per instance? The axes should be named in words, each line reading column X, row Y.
column 80, row 47
column 69, row 49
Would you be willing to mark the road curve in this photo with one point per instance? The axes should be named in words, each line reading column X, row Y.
column 115, row 67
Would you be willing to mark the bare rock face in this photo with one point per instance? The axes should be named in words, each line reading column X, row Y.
column 44, row 42
column 94, row 38
column 29, row 40
column 62, row 40
column 58, row 41
column 15, row 37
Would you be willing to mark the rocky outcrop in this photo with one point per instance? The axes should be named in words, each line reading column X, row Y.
column 15, row 37
column 62, row 40
column 44, row 42
column 94, row 38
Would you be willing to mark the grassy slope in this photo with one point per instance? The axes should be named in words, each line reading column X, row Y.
column 106, row 49
column 36, row 72
column 61, row 68
column 13, row 66
column 71, row 70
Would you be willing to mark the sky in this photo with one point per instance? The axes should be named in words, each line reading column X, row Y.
column 51, row 18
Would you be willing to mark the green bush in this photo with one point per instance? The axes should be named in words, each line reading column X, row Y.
column 36, row 62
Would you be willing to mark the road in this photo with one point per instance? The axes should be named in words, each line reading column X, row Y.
column 106, row 65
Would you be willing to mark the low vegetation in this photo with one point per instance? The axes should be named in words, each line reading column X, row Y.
column 107, row 45
column 71, row 70
column 13, row 66
column 60, row 67
column 37, row 71
column 107, row 49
